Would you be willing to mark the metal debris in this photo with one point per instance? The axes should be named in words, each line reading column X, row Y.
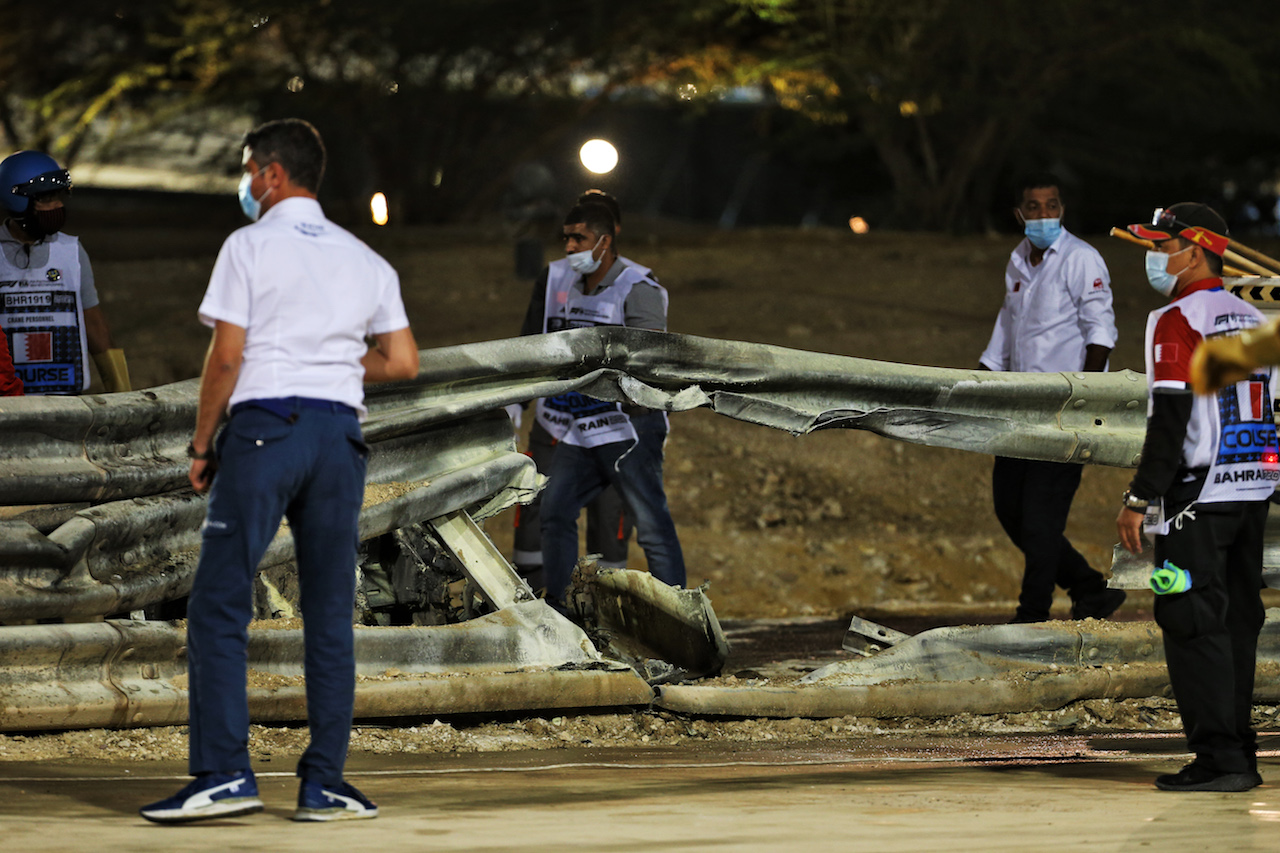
column 668, row 634
column 866, row 637
column 974, row 670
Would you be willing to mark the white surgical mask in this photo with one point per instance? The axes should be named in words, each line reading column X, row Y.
column 251, row 206
column 1158, row 271
column 585, row 262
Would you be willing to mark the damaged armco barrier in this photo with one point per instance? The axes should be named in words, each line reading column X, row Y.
column 126, row 673
column 97, row 518
column 989, row 669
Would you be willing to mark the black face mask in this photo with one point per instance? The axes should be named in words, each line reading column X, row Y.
column 41, row 223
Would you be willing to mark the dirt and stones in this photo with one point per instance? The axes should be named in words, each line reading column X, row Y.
column 272, row 744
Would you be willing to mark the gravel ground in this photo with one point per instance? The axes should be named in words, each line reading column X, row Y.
column 634, row 729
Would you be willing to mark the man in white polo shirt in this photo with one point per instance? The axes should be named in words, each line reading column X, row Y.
column 1057, row 316
column 292, row 300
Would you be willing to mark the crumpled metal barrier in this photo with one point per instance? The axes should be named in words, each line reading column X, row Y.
column 975, row 670
column 1099, row 418
column 127, row 554
column 973, row 653
column 126, row 673
column 98, row 518
column 132, row 444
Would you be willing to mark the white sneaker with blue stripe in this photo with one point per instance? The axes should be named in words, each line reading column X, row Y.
column 210, row 795
column 344, row 802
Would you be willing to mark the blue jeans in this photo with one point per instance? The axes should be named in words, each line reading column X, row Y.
column 310, row 468
column 578, row 474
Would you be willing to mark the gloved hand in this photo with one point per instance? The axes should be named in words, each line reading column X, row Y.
column 1219, row 362
column 113, row 369
column 516, row 412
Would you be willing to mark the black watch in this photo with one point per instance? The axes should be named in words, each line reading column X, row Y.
column 1133, row 502
column 207, row 456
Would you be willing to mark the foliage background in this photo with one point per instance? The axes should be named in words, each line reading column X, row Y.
column 915, row 113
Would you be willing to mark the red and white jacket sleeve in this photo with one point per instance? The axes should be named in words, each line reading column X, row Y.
column 1172, row 343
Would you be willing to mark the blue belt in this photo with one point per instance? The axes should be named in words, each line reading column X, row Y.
column 287, row 407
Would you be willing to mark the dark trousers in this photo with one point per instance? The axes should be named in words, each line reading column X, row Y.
column 309, row 468
column 1211, row 630
column 1032, row 500
column 609, row 522
column 579, row 474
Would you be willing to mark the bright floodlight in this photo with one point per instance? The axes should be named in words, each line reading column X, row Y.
column 598, row 156
column 378, row 207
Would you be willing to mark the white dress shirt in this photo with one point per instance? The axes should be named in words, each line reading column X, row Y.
column 1052, row 310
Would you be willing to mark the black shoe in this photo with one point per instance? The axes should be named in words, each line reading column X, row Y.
column 1100, row 605
column 1196, row 777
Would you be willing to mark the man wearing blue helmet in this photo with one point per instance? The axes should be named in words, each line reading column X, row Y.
column 48, row 303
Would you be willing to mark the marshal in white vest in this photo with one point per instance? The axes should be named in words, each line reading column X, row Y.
column 575, row 418
column 41, row 313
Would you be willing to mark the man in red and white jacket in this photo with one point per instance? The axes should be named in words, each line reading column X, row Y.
column 1208, row 467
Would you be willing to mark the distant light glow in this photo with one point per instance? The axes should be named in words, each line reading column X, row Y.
column 858, row 225
column 908, row 108
column 378, row 207
column 598, row 156
column 437, row 177
column 295, row 84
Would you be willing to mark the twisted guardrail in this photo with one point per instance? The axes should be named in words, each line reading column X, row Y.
column 98, row 518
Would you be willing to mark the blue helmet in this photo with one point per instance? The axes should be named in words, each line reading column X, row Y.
column 28, row 174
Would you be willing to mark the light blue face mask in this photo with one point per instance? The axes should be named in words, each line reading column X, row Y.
column 1042, row 232
column 1158, row 271
column 585, row 262
column 251, row 206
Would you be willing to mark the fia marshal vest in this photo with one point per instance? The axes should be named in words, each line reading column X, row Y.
column 41, row 315
column 1233, row 432
column 575, row 418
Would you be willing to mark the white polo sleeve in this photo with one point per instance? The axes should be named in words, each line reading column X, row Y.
column 228, row 297
column 389, row 316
